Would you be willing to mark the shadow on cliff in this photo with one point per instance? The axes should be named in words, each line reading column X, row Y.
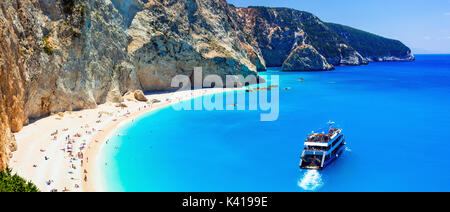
column 128, row 9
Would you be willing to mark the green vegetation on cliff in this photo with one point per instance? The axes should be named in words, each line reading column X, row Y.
column 47, row 48
column 370, row 45
column 14, row 183
column 324, row 40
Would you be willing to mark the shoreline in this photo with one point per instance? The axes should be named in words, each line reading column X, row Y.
column 43, row 146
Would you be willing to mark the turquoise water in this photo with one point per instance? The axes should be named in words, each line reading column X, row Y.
column 394, row 115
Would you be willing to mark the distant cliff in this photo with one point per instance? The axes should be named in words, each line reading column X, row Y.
column 373, row 47
column 60, row 55
column 289, row 37
column 299, row 41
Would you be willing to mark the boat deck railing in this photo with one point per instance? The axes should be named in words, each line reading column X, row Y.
column 313, row 152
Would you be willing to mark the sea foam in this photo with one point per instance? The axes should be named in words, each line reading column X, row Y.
column 311, row 180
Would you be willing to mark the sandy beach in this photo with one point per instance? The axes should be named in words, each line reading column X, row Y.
column 58, row 153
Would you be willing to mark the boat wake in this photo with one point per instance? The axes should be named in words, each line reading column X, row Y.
column 348, row 149
column 311, row 180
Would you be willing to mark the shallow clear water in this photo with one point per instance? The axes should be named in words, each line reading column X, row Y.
column 394, row 115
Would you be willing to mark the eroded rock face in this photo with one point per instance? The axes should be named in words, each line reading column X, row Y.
column 306, row 58
column 273, row 31
column 7, row 145
column 87, row 62
column 278, row 32
column 166, row 42
column 12, row 74
column 56, row 58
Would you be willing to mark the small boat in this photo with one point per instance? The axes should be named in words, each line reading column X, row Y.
column 322, row 148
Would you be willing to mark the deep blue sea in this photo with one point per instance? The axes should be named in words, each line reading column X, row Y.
column 395, row 117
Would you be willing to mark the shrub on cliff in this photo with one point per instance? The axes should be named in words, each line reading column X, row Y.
column 14, row 183
column 47, row 48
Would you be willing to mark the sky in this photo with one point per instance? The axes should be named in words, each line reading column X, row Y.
column 423, row 25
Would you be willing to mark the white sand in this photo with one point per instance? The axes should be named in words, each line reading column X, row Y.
column 35, row 142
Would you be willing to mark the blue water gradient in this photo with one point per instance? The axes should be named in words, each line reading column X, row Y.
column 395, row 117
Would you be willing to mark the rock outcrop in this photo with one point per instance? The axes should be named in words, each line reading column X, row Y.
column 63, row 55
column 306, row 58
column 139, row 95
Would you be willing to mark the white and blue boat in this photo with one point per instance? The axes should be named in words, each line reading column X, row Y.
column 322, row 148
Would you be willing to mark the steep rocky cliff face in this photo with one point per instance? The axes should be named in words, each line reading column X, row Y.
column 279, row 32
column 171, row 37
column 75, row 55
column 62, row 55
column 57, row 56
column 12, row 76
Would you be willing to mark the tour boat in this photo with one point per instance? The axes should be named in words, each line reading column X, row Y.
column 322, row 148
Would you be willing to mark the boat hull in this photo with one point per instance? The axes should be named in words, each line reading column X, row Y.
column 332, row 157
